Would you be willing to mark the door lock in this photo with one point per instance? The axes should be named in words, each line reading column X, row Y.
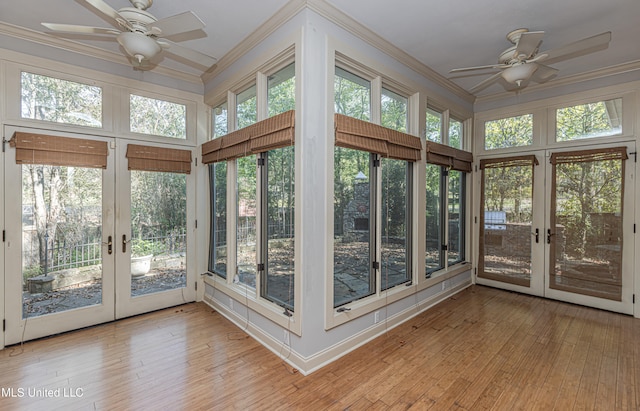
column 109, row 245
column 124, row 243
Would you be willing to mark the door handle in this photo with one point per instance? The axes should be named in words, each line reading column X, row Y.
column 549, row 234
column 124, row 243
column 109, row 245
column 537, row 234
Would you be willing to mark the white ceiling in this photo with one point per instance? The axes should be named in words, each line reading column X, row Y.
column 443, row 35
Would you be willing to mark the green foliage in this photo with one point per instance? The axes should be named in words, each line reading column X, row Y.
column 352, row 95
column 434, row 126
column 509, row 132
column 158, row 203
column 281, row 91
column 61, row 101
column 31, row 271
column 141, row 248
column 585, row 121
column 246, row 108
column 157, row 117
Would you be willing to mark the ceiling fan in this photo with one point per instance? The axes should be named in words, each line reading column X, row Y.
column 522, row 62
column 141, row 35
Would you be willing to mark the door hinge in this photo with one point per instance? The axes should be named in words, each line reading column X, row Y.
column 196, row 286
column 375, row 265
column 4, row 325
column 634, row 228
column 261, row 267
column 196, row 223
column 4, row 236
column 445, row 172
column 260, row 162
column 633, row 299
column 196, row 161
column 475, row 219
column 376, row 162
column 444, row 247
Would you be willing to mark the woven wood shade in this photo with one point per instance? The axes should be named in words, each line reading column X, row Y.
column 517, row 161
column 446, row 156
column 365, row 136
column 581, row 156
column 146, row 158
column 34, row 148
column 269, row 134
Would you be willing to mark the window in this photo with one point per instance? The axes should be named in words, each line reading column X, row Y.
column 434, row 235
column 394, row 110
column 599, row 119
column 264, row 190
column 218, row 192
column 353, row 275
column 508, row 132
column 246, row 108
column 456, row 201
column 371, row 189
column 434, row 126
column 352, row 95
column 218, row 240
column 61, row 101
column 220, row 120
column 455, row 133
column 157, row 117
column 281, row 94
column 396, row 190
column 445, row 185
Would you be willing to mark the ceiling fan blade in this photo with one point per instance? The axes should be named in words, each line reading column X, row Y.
column 490, row 66
column 110, row 12
column 187, row 53
column 579, row 48
column 180, row 23
column 528, row 44
column 544, row 73
column 485, row 83
column 72, row 28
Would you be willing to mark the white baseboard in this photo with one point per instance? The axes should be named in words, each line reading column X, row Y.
column 307, row 365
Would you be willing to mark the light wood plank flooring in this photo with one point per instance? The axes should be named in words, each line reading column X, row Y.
column 481, row 349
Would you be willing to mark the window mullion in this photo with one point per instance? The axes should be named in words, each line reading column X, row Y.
column 375, row 217
column 444, row 217
column 261, row 224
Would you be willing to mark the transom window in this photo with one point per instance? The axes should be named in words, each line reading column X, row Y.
column 157, row 117
column 508, row 132
column 61, row 101
column 598, row 119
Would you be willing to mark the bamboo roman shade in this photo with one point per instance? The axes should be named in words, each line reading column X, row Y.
column 34, row 148
column 581, row 156
column 517, row 161
column 147, row 158
column 269, row 134
column 365, row 136
column 446, row 156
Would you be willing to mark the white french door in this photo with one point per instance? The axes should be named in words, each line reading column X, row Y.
column 69, row 234
column 154, row 269
column 559, row 224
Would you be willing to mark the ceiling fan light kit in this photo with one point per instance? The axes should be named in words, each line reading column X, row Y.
column 518, row 73
column 141, row 34
column 139, row 46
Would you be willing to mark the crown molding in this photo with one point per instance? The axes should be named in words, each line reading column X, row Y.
column 73, row 46
column 347, row 23
column 566, row 81
column 343, row 21
column 279, row 18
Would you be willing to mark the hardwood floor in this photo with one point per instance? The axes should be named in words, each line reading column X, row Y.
column 481, row 349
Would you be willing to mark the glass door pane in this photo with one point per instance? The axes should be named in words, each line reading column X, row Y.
column 586, row 239
column 158, row 231
column 507, row 218
column 61, row 238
